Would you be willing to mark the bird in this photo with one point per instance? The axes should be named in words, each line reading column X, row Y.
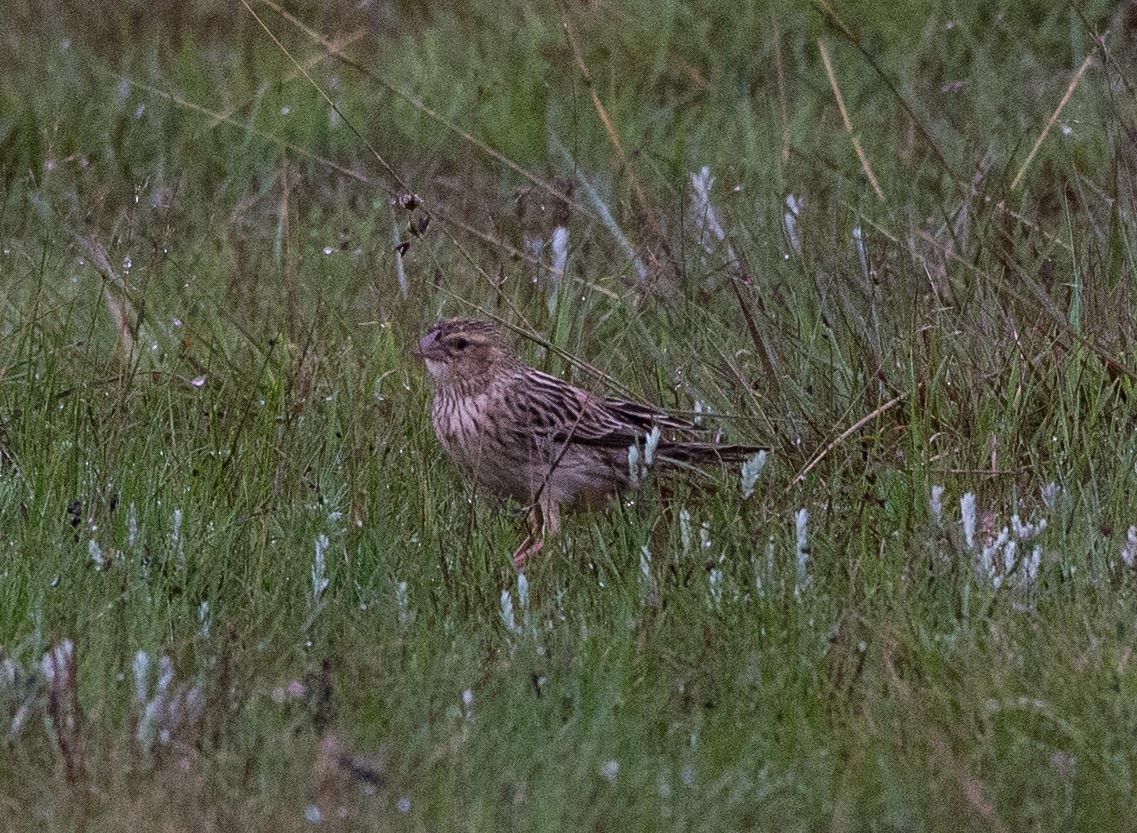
column 520, row 433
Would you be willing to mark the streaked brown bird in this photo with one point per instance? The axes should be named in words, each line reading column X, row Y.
column 526, row 435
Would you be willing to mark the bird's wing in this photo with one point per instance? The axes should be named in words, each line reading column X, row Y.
column 581, row 417
column 646, row 417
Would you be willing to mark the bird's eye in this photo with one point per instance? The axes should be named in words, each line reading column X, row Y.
column 460, row 343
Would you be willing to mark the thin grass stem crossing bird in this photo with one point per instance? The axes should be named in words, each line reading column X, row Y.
column 523, row 434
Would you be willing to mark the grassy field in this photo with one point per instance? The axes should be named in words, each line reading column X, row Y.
column 240, row 585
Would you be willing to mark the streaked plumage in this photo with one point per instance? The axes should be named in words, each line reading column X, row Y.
column 524, row 434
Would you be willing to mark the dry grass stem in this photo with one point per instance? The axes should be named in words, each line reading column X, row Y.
column 1053, row 118
column 609, row 127
column 865, row 166
column 852, row 429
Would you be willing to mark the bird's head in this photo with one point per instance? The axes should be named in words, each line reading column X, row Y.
column 463, row 350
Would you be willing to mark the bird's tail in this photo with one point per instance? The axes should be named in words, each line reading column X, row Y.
column 699, row 454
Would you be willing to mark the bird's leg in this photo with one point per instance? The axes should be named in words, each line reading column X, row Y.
column 534, row 540
column 544, row 521
column 530, row 546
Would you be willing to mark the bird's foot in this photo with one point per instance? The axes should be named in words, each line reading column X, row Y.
column 530, row 546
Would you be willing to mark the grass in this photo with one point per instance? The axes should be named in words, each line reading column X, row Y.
column 204, row 382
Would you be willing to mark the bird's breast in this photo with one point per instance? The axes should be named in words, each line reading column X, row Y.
column 459, row 421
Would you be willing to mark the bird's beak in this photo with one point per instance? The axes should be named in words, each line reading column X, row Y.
column 423, row 348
